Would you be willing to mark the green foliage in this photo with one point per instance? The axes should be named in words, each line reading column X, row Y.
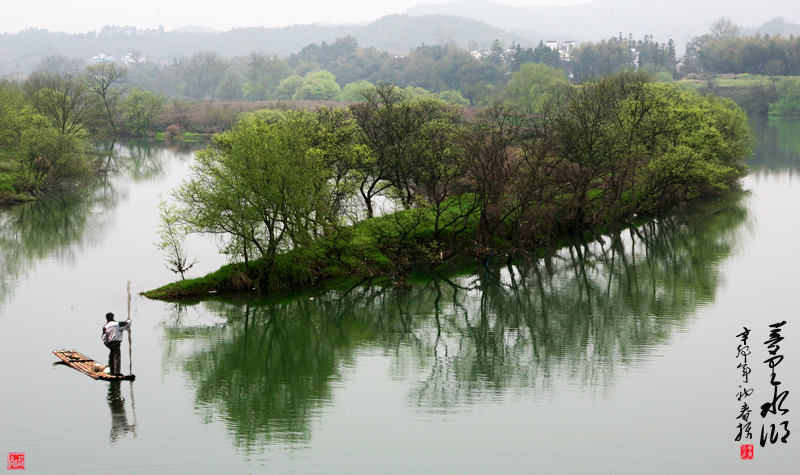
column 440, row 68
column 453, row 97
column 542, row 54
column 663, row 76
column 102, row 79
column 412, row 92
column 288, row 88
column 267, row 187
column 318, row 86
column 263, row 74
column 754, row 93
column 140, row 110
column 282, row 189
column 35, row 156
column 592, row 60
column 352, row 92
column 788, row 103
column 264, row 115
column 396, row 128
column 56, row 91
column 231, row 86
column 770, row 55
column 650, row 143
column 50, row 160
column 535, row 86
column 655, row 57
column 172, row 234
column 15, row 116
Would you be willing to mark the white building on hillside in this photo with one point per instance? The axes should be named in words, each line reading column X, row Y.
column 564, row 49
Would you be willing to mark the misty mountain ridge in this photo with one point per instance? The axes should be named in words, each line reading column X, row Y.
column 774, row 27
column 396, row 34
column 194, row 29
column 680, row 20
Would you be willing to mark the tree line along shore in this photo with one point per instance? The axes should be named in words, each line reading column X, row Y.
column 52, row 119
column 64, row 110
column 319, row 181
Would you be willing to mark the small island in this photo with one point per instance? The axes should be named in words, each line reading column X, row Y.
column 393, row 182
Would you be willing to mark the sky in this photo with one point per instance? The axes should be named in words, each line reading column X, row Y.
column 61, row 15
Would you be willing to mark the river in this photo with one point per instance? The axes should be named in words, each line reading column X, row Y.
column 617, row 355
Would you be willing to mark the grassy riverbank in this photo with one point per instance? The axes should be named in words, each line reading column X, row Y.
column 758, row 95
column 9, row 192
column 311, row 272
column 386, row 250
column 381, row 249
column 359, row 254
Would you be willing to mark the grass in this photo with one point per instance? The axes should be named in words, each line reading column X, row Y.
column 8, row 192
column 394, row 249
column 381, row 249
column 186, row 137
column 730, row 80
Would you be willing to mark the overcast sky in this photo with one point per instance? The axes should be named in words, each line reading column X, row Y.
column 88, row 15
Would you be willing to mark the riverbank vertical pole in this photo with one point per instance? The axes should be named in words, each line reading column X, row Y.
column 130, row 345
column 130, row 361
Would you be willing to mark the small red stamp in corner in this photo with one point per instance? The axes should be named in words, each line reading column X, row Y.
column 746, row 452
column 16, row 461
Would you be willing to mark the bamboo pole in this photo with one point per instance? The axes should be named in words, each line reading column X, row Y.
column 130, row 361
column 130, row 346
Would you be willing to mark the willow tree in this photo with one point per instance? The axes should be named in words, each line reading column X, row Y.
column 398, row 130
column 51, row 161
column 37, row 156
column 172, row 241
column 57, row 91
column 102, row 79
column 535, row 86
column 266, row 187
column 631, row 145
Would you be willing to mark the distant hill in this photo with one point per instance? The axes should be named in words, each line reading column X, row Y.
column 677, row 19
column 465, row 23
column 398, row 34
column 774, row 27
column 401, row 33
column 194, row 29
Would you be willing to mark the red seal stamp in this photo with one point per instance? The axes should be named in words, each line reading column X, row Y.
column 746, row 452
column 16, row 461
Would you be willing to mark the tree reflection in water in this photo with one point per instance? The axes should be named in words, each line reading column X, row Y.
column 48, row 227
column 55, row 226
column 777, row 145
column 577, row 316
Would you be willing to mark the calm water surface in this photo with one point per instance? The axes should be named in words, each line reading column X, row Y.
column 609, row 356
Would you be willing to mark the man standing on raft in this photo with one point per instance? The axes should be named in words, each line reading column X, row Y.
column 112, row 337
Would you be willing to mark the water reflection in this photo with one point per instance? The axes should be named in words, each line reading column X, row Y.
column 778, row 145
column 575, row 317
column 268, row 369
column 57, row 226
column 119, row 417
column 52, row 226
column 143, row 160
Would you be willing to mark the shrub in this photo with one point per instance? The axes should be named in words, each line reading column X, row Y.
column 788, row 102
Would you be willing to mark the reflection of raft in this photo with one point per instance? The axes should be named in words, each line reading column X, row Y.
column 87, row 366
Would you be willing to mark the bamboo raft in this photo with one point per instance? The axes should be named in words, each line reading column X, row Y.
column 87, row 366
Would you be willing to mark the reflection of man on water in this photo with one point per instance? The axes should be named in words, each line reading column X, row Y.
column 119, row 420
column 112, row 337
